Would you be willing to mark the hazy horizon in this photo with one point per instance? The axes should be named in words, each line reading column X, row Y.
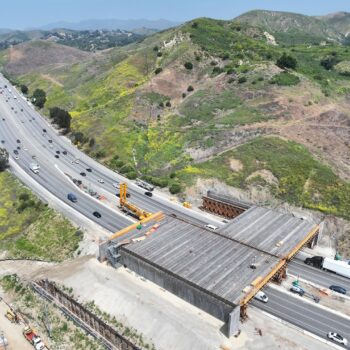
column 39, row 13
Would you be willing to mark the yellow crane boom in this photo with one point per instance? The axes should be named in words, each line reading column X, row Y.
column 140, row 213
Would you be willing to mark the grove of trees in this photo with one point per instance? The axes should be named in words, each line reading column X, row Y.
column 60, row 117
column 287, row 61
column 39, row 98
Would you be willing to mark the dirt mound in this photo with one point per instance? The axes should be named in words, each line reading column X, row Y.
column 34, row 55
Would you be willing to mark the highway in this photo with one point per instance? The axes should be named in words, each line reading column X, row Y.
column 27, row 126
column 323, row 278
column 20, row 121
column 303, row 314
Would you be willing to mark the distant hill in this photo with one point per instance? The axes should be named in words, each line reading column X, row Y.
column 112, row 24
column 293, row 28
column 340, row 21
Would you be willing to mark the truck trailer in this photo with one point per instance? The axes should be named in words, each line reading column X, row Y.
column 341, row 268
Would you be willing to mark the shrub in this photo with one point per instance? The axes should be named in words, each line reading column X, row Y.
column 127, row 168
column 168, row 104
column 175, row 188
column 39, row 98
column 23, row 196
column 159, row 54
column 242, row 80
column 60, row 117
column 190, row 88
column 286, row 61
column 131, row 175
column 188, row 65
column 24, row 89
column 155, row 48
column 285, row 79
column 184, row 95
column 158, row 70
column 329, row 62
column 161, row 105
column 194, row 25
column 217, row 70
column 231, row 80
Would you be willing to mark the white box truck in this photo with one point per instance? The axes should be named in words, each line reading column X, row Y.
column 341, row 268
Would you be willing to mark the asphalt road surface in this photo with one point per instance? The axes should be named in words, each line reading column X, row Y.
column 20, row 121
column 304, row 315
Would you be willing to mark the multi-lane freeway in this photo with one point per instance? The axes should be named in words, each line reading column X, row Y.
column 307, row 316
column 22, row 126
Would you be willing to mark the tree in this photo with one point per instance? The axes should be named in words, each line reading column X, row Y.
column 175, row 188
column 60, row 117
column 39, row 98
column 4, row 159
column 188, row 65
column 286, row 61
column 190, row 88
column 24, row 89
column 158, row 70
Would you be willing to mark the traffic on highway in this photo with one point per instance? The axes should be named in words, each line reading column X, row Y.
column 49, row 159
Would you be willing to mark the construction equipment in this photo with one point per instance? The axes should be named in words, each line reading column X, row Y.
column 187, row 205
column 12, row 316
column 126, row 206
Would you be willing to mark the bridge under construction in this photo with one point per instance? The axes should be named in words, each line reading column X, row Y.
column 217, row 271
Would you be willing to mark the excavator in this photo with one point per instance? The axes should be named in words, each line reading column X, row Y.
column 126, row 206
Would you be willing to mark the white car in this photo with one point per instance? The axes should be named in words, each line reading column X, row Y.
column 25, row 149
column 115, row 184
column 211, row 227
column 337, row 338
column 100, row 181
column 16, row 157
column 261, row 296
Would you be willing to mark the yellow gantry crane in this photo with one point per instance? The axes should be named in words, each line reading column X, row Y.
column 140, row 213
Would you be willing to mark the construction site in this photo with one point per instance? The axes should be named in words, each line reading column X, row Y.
column 218, row 271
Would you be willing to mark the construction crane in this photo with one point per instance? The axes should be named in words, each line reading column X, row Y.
column 125, row 205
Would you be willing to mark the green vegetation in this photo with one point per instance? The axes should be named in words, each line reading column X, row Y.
column 63, row 330
column 39, row 98
column 285, row 79
column 4, row 159
column 302, row 180
column 29, row 229
column 60, row 117
column 286, row 61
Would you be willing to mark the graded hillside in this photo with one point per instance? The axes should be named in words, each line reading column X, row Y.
column 211, row 99
column 293, row 28
column 40, row 54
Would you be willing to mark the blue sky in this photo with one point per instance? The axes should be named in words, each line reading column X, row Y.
column 34, row 13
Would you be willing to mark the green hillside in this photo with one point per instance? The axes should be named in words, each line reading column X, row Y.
column 178, row 105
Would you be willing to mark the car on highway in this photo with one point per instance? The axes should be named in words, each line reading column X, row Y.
column 44, row 130
column 261, row 296
column 58, row 152
column 338, row 289
column 72, row 197
column 18, row 147
column 89, row 170
column 148, row 193
column 211, row 227
column 25, row 149
column 57, row 156
column 115, row 184
column 83, row 174
column 297, row 290
column 100, row 181
column 15, row 151
column 337, row 338
column 2, row 141
column 96, row 214
column 127, row 195
column 64, row 152
column 50, row 141
column 18, row 141
column 16, row 157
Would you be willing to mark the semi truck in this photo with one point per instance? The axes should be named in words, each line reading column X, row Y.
column 341, row 268
column 34, row 167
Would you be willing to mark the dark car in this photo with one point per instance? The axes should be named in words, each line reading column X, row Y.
column 96, row 214
column 58, row 152
column 89, row 170
column 2, row 141
column 338, row 289
column 82, row 174
column 149, row 194
column 18, row 141
column 57, row 156
column 127, row 195
column 64, row 152
column 297, row 290
column 72, row 197
column 18, row 147
column 50, row 141
column 44, row 130
column 15, row 151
